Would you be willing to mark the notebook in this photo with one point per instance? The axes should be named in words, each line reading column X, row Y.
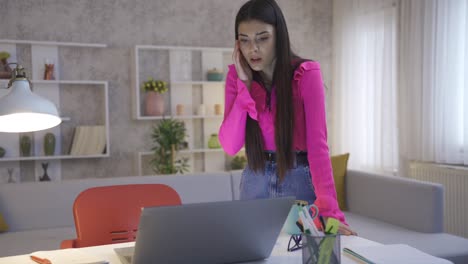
column 69, row 256
column 215, row 232
column 390, row 254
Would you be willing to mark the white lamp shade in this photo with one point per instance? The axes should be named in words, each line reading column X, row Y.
column 23, row 111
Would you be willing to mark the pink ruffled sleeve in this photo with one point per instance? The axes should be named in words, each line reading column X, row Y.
column 238, row 103
column 311, row 87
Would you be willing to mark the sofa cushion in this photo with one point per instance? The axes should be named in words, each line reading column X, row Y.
column 340, row 166
column 441, row 245
column 3, row 224
column 409, row 203
column 25, row 242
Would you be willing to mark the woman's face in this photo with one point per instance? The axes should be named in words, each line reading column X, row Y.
column 257, row 44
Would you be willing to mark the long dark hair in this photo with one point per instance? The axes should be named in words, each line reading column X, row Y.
column 268, row 11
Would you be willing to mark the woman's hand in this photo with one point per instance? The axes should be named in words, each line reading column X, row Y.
column 344, row 229
column 244, row 72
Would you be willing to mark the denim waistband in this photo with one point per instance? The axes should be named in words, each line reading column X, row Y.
column 300, row 157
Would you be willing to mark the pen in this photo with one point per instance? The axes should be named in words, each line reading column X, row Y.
column 40, row 260
column 322, row 222
column 300, row 226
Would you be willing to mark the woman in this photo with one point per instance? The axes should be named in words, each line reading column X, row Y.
column 275, row 106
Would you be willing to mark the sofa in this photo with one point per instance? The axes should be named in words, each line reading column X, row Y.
column 384, row 209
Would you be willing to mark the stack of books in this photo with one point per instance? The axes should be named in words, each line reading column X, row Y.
column 88, row 140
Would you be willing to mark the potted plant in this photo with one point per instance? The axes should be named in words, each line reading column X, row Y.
column 238, row 162
column 5, row 70
column 168, row 135
column 154, row 101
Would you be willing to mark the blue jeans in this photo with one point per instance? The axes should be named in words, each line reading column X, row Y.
column 297, row 183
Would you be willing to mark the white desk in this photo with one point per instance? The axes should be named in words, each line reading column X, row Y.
column 279, row 254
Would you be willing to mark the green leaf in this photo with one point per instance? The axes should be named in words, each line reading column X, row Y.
column 168, row 133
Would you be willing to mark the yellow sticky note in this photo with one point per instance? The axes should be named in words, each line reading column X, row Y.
column 332, row 226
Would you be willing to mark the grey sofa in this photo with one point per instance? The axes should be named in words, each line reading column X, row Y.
column 40, row 214
column 384, row 209
column 392, row 210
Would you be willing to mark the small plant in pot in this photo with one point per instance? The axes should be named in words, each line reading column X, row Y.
column 154, row 101
column 5, row 70
column 167, row 136
column 238, row 162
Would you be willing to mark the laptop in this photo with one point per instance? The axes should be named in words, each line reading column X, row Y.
column 214, row 232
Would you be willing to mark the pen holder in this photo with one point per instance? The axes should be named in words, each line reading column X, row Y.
column 321, row 249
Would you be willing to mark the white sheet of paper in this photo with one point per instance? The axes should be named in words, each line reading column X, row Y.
column 70, row 256
column 396, row 253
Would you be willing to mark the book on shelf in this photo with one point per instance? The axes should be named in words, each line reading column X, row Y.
column 88, row 140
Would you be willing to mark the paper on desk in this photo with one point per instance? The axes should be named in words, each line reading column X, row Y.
column 397, row 253
column 69, row 256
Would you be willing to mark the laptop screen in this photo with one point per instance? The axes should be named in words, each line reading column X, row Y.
column 215, row 232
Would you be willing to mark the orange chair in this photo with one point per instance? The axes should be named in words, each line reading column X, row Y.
column 111, row 214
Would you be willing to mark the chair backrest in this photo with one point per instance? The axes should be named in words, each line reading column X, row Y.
column 111, row 214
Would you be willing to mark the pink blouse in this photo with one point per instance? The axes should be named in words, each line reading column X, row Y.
column 310, row 128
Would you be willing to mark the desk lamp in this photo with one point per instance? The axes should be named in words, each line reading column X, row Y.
column 21, row 110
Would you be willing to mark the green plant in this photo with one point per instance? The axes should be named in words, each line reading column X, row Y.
column 167, row 136
column 4, row 55
column 154, row 85
column 238, row 162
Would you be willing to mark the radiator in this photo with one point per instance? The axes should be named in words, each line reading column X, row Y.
column 455, row 181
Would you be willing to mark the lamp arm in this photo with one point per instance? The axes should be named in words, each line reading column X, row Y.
column 18, row 73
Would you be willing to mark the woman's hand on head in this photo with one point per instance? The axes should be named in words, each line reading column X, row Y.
column 244, row 72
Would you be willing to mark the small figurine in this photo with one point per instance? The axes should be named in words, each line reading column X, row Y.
column 45, row 177
column 49, row 71
column 10, row 176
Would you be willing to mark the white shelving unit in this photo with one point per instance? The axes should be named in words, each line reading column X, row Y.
column 50, row 89
column 185, row 69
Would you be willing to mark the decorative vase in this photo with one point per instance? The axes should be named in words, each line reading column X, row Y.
column 213, row 142
column 49, row 144
column 49, row 72
column 10, row 176
column 25, row 146
column 214, row 75
column 218, row 109
column 45, row 177
column 2, row 152
column 154, row 104
column 180, row 109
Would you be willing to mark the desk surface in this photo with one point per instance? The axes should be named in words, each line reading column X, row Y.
column 279, row 254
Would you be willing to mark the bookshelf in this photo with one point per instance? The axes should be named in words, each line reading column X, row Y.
column 34, row 57
column 184, row 68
